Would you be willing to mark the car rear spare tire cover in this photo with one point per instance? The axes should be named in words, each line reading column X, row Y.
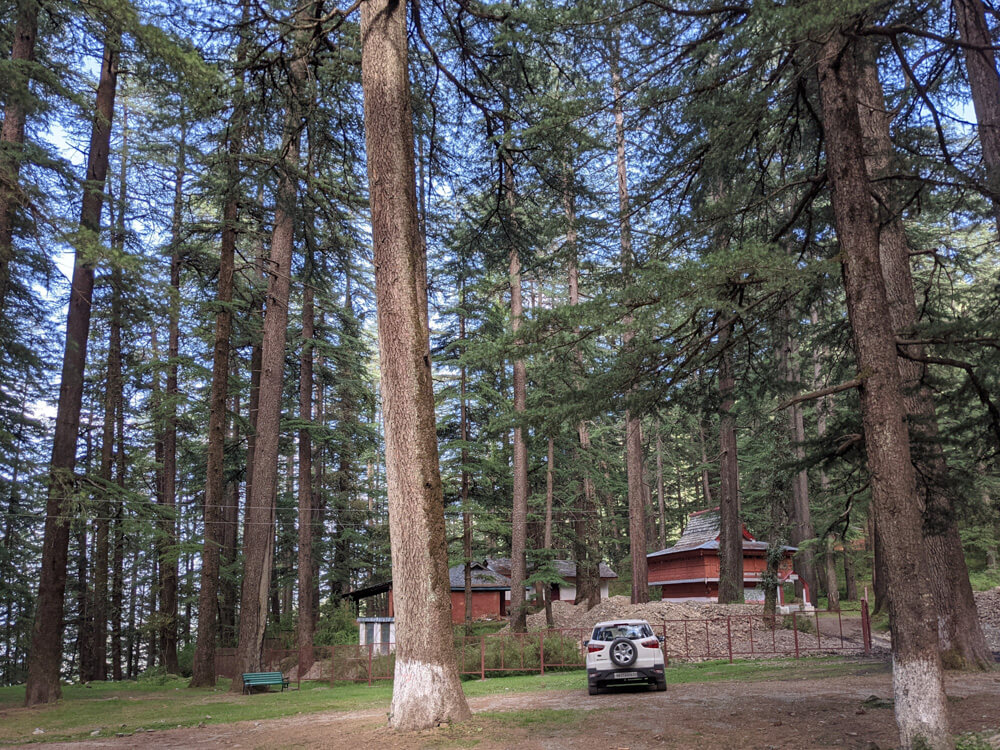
column 623, row 652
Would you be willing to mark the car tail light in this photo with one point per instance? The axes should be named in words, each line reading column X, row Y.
column 651, row 643
column 594, row 649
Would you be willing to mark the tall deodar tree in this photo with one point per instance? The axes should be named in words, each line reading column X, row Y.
column 259, row 523
column 917, row 678
column 43, row 684
column 426, row 688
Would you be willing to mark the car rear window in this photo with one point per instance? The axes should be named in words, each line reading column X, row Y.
column 623, row 630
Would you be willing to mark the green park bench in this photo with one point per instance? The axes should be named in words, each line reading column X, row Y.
column 259, row 679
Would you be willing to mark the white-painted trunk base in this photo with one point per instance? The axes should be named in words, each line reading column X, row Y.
column 425, row 695
column 921, row 705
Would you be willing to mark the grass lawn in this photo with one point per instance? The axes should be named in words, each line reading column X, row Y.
column 107, row 709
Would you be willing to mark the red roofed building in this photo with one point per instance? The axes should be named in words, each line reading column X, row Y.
column 689, row 571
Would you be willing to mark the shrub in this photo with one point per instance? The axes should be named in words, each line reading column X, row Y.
column 336, row 625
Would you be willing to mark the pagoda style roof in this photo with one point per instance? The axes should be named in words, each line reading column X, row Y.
column 702, row 533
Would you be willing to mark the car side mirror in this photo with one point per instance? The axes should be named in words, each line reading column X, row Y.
column 585, row 642
column 661, row 638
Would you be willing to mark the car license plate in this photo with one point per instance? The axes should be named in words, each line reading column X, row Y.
column 626, row 675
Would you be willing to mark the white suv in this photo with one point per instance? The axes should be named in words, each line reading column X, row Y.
column 623, row 652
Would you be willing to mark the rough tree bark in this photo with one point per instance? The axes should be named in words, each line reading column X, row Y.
column 731, row 524
column 962, row 642
column 920, row 703
column 426, row 689
column 259, row 526
column 46, row 634
column 22, row 54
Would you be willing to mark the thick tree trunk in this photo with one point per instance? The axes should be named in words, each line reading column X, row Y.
column 12, row 134
column 46, row 635
column 253, row 407
column 731, row 523
column 962, row 642
column 426, row 689
column 921, row 708
column 984, row 83
column 259, row 520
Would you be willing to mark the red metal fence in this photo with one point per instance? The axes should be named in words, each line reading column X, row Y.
column 725, row 637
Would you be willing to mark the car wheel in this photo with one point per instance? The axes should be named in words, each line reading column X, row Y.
column 623, row 652
column 661, row 686
column 593, row 689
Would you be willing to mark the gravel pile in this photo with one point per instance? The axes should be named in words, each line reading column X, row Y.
column 567, row 615
column 704, row 630
column 988, row 604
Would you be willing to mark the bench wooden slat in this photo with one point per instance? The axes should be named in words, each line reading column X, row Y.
column 255, row 679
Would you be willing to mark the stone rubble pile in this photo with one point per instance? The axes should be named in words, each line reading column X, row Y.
column 988, row 604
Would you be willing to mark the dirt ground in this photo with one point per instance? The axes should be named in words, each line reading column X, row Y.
column 829, row 712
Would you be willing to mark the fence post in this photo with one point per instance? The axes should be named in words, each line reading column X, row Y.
column 729, row 636
column 369, row 665
column 541, row 649
column 482, row 657
column 866, row 626
column 750, row 623
column 795, row 630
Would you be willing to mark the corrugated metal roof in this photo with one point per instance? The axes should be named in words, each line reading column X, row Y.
column 702, row 532
column 483, row 577
column 494, row 572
